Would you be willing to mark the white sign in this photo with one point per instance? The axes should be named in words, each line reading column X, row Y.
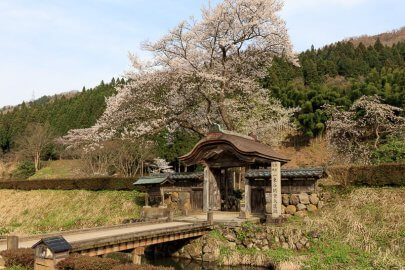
column 275, row 189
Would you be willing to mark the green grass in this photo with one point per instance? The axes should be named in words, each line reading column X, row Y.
column 41, row 211
column 17, row 267
column 59, row 169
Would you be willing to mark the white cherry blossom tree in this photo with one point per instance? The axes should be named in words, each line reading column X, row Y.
column 355, row 133
column 204, row 72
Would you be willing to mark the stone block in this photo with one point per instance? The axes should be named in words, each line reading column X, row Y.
column 291, row 209
column 268, row 197
column 312, row 208
column 301, row 207
column 304, row 198
column 300, row 213
column 285, row 199
column 313, row 198
column 294, row 199
column 268, row 208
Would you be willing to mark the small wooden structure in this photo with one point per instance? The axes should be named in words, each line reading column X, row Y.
column 233, row 164
column 220, row 151
column 49, row 251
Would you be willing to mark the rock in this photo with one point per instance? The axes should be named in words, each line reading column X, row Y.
column 303, row 241
column 282, row 238
column 307, row 245
column 284, row 245
column 268, row 197
column 282, row 209
column 230, row 237
column 315, row 234
column 232, row 244
column 291, row 209
column 314, row 199
column 299, row 246
column 268, row 208
column 320, row 204
column 301, row 214
column 286, row 199
column 294, row 199
column 312, row 208
column 301, row 207
column 304, row 198
column 207, row 249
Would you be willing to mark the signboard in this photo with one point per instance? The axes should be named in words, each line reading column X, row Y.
column 275, row 189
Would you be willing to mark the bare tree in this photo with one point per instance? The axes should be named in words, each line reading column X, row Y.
column 33, row 141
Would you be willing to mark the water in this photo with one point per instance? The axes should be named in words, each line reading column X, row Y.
column 184, row 264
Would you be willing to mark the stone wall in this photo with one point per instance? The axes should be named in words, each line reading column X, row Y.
column 225, row 245
column 296, row 204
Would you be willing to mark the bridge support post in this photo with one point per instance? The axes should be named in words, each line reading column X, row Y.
column 12, row 242
column 136, row 255
column 210, row 217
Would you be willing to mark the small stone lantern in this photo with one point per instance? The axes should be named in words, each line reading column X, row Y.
column 49, row 251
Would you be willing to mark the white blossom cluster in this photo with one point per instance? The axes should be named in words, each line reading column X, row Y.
column 204, row 72
column 355, row 133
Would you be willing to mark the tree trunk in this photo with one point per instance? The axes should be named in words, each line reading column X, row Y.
column 37, row 161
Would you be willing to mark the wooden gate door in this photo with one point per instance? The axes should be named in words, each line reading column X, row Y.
column 258, row 200
column 197, row 199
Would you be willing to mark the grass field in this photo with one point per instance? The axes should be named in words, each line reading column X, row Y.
column 360, row 228
column 59, row 169
column 33, row 212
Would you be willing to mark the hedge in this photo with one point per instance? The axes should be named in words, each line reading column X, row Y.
column 23, row 257
column 93, row 184
column 371, row 175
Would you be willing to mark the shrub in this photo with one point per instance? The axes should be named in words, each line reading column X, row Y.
column 25, row 169
column 392, row 151
column 79, row 262
column 23, row 257
column 141, row 267
column 371, row 175
column 94, row 184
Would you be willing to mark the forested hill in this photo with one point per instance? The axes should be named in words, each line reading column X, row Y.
column 336, row 74
column 62, row 112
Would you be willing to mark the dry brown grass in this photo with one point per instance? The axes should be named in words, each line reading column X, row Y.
column 370, row 220
column 28, row 212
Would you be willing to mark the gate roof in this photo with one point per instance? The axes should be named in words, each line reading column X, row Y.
column 222, row 149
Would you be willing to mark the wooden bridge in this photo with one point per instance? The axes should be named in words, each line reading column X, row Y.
column 134, row 237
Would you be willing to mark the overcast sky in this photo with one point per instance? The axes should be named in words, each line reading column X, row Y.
column 54, row 46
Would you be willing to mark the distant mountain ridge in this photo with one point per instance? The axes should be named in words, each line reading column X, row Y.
column 387, row 38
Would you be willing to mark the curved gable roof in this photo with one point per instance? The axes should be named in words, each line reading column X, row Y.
column 243, row 147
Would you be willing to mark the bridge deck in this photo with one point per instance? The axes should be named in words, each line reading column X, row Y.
column 77, row 239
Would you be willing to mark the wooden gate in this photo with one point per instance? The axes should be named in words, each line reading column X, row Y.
column 197, row 199
column 258, row 200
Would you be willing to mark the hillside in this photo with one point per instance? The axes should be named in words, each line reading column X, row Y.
column 387, row 39
column 337, row 74
column 33, row 212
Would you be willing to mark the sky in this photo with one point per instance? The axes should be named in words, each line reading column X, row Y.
column 53, row 46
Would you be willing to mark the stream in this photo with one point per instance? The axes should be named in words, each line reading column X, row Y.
column 184, row 264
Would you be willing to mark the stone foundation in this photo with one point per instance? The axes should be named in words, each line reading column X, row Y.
column 296, row 204
column 224, row 245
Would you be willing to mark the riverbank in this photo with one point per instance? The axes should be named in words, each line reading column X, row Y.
column 359, row 228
